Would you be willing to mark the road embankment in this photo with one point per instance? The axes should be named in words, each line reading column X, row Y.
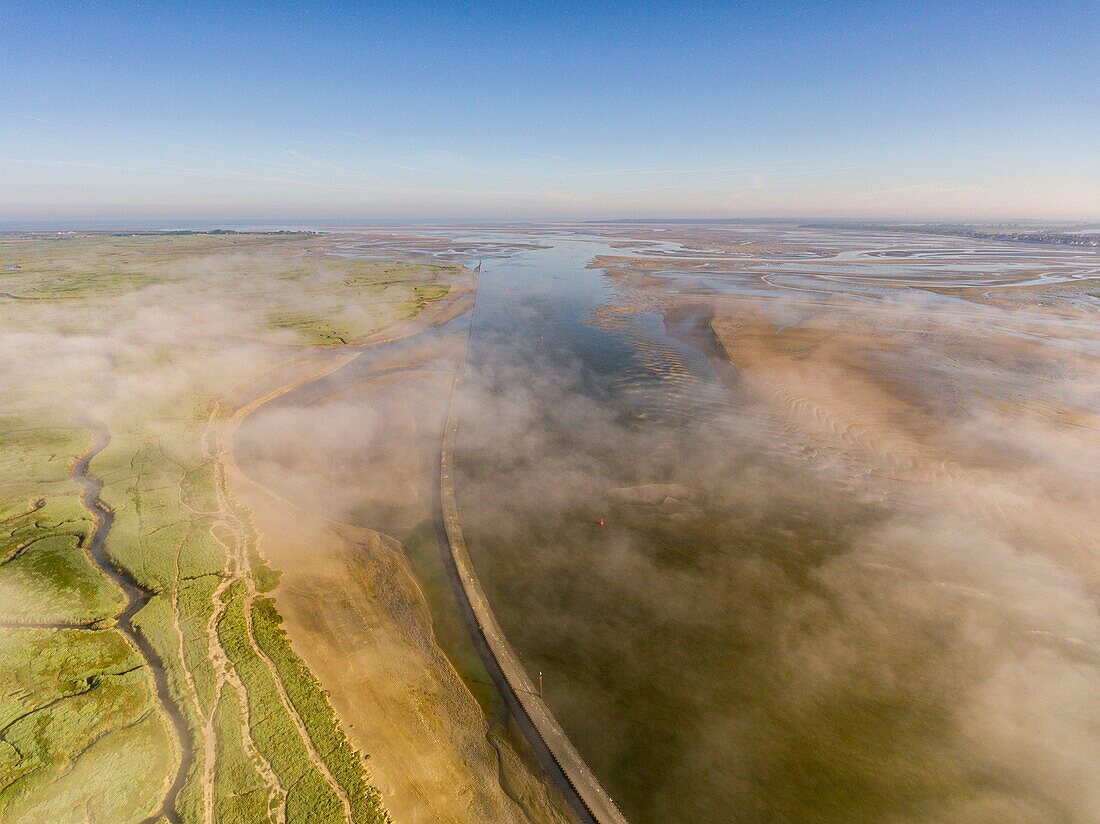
column 546, row 735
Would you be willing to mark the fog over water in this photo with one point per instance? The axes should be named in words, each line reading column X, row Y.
column 798, row 525
column 757, row 632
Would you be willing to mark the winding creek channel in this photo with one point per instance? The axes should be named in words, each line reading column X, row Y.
column 136, row 598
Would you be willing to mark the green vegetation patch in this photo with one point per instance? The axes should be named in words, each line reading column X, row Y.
column 426, row 294
column 347, row 300
column 154, row 536
column 312, row 705
column 77, row 705
column 52, row 580
column 124, row 766
column 271, row 727
column 73, row 267
column 240, row 795
column 155, row 622
column 314, row 329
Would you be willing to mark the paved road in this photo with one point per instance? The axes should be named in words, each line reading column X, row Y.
column 580, row 777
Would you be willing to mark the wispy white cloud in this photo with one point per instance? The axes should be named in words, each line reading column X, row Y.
column 405, row 167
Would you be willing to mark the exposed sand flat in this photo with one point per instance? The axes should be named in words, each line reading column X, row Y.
column 835, row 390
column 356, row 615
column 821, row 396
column 936, row 376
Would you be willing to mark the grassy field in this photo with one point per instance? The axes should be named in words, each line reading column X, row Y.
column 151, row 339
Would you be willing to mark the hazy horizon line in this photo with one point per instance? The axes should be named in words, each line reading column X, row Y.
column 208, row 223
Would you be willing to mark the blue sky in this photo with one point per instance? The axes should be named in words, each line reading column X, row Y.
column 281, row 111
